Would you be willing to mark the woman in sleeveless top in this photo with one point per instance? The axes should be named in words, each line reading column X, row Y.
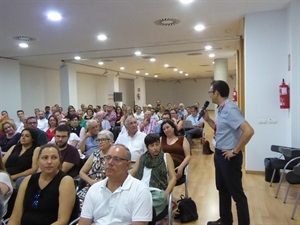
column 47, row 197
column 156, row 169
column 176, row 145
column 20, row 160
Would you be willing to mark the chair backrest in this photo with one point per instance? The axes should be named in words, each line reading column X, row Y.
column 297, row 170
column 277, row 148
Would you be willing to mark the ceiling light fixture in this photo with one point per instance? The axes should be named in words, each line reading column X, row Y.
column 199, row 27
column 54, row 16
column 137, row 53
column 166, row 65
column 181, row 71
column 137, row 71
column 77, row 57
column 101, row 63
column 102, row 37
column 155, row 76
column 211, row 55
column 186, row 74
column 186, row 1
column 152, row 59
column 23, row 45
column 146, row 74
column 175, row 69
column 122, row 68
column 208, row 47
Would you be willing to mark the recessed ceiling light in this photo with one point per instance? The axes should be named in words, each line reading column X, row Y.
column 208, row 47
column 122, row 68
column 175, row 69
column 77, row 57
column 186, row 74
column 23, row 45
column 211, row 55
column 137, row 53
column 181, row 71
column 199, row 27
column 100, row 63
column 213, row 62
column 166, row 65
column 155, row 76
column 137, row 71
column 186, row 1
column 146, row 74
column 152, row 59
column 54, row 16
column 102, row 37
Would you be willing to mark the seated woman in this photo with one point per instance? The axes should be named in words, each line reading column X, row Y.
column 156, row 169
column 20, row 160
column 6, row 187
column 11, row 135
column 53, row 123
column 47, row 197
column 93, row 169
column 177, row 146
column 177, row 121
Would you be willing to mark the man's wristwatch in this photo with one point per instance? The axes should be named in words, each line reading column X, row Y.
column 233, row 152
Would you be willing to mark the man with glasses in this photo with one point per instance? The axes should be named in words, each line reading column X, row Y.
column 89, row 144
column 31, row 122
column 70, row 158
column 232, row 133
column 133, row 138
column 119, row 199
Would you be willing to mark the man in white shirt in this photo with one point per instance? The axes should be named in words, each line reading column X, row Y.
column 20, row 123
column 119, row 199
column 133, row 138
column 197, row 131
column 42, row 121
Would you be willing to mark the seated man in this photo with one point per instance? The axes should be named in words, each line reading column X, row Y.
column 165, row 116
column 70, row 158
column 31, row 122
column 148, row 124
column 132, row 138
column 119, row 199
column 89, row 143
column 197, row 131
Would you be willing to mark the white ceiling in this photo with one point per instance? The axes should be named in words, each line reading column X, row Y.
column 129, row 26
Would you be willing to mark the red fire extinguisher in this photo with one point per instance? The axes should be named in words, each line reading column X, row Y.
column 234, row 95
column 284, row 95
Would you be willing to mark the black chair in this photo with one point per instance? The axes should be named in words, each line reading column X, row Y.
column 280, row 162
column 293, row 177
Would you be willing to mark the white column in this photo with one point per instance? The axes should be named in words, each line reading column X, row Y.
column 112, row 86
column 221, row 69
column 68, row 82
column 139, row 91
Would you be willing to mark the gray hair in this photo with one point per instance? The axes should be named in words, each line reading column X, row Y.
column 107, row 133
column 128, row 154
column 127, row 121
column 89, row 122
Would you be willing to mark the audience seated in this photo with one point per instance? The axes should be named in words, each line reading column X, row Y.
column 177, row 146
column 156, row 169
column 148, row 124
column 75, row 127
column 31, row 122
column 197, row 131
column 20, row 122
column 119, row 114
column 42, row 121
column 70, row 158
column 47, row 197
column 157, row 128
column 139, row 115
column 20, row 159
column 6, row 188
column 119, row 198
column 89, row 114
column 89, row 144
column 52, row 124
column 177, row 121
column 111, row 115
column 132, row 138
column 11, row 136
column 93, row 170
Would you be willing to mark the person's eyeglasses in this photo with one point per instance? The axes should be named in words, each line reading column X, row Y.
column 115, row 159
column 36, row 196
column 101, row 140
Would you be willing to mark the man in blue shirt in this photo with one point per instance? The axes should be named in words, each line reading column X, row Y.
column 198, row 125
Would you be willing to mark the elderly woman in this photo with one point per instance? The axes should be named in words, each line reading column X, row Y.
column 93, row 169
column 176, row 145
column 11, row 135
column 20, row 160
column 156, row 169
column 47, row 197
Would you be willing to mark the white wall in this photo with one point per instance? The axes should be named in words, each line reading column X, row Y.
column 266, row 51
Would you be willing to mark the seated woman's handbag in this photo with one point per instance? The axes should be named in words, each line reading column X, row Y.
column 187, row 210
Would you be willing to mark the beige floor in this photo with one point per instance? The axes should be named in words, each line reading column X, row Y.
column 264, row 208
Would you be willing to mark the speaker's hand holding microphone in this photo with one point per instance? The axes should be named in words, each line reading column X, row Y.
column 203, row 110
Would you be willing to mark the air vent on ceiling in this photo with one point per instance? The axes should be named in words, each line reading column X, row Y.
column 167, row 22
column 106, row 60
column 204, row 65
column 24, row 38
column 194, row 54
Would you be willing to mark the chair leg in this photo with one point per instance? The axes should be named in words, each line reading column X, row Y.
column 296, row 204
column 286, row 194
column 281, row 178
column 273, row 175
column 170, row 207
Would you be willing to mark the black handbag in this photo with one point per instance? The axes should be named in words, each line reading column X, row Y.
column 187, row 210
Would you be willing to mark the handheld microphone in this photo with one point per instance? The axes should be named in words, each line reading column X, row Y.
column 203, row 109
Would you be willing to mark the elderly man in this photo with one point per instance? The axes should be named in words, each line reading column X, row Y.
column 133, row 138
column 197, row 131
column 181, row 112
column 148, row 124
column 90, row 142
column 119, row 199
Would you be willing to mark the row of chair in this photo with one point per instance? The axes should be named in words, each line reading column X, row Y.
column 289, row 163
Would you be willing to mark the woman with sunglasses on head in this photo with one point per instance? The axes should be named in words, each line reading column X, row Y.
column 47, row 197
column 93, row 169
